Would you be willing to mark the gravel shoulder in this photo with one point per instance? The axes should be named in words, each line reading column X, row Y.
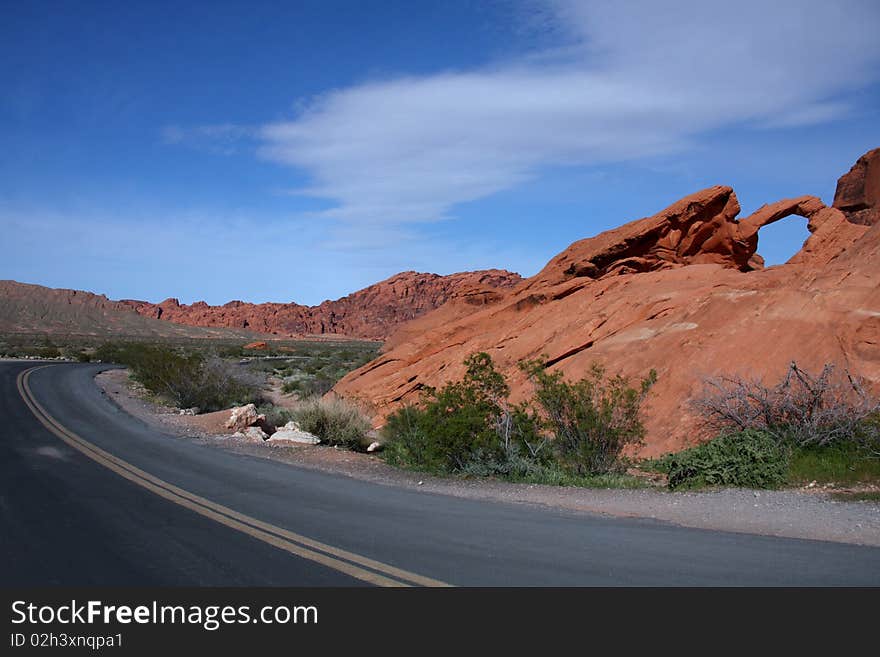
column 793, row 513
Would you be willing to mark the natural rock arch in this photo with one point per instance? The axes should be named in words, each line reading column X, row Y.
column 781, row 240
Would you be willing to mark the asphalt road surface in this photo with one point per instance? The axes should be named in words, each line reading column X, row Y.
column 91, row 496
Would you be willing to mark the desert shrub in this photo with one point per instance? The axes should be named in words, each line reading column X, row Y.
column 185, row 379
column 335, row 421
column 750, row 458
column 230, row 351
column 83, row 357
column 466, row 424
column 316, row 386
column 593, row 419
column 224, row 384
column 579, row 429
column 406, row 442
column 276, row 416
column 49, row 351
column 803, row 408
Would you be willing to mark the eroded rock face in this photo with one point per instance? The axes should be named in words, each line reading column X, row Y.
column 699, row 228
column 683, row 292
column 372, row 313
column 858, row 192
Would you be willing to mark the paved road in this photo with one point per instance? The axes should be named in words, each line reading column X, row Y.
column 102, row 499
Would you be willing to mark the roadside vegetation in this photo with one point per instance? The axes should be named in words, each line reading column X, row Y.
column 807, row 429
column 569, row 433
column 307, row 369
column 186, row 379
column 335, row 421
column 208, row 377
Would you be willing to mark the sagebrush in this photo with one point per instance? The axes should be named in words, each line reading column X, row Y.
column 335, row 421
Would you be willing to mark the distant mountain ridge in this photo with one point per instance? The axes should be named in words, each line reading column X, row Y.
column 27, row 308
column 372, row 313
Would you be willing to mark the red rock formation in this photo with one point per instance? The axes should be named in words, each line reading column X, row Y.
column 372, row 313
column 858, row 192
column 682, row 292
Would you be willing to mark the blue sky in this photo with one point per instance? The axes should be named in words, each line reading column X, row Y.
column 300, row 151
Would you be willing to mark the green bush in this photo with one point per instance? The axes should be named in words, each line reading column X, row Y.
column 185, row 379
column 463, row 424
column 751, row 459
column 593, row 419
column 334, row 421
column 470, row 427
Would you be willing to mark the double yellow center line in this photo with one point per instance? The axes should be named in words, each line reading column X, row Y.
column 354, row 565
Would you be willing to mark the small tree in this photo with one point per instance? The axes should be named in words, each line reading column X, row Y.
column 593, row 419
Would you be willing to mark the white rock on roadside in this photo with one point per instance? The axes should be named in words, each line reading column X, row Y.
column 291, row 426
column 374, row 446
column 289, row 436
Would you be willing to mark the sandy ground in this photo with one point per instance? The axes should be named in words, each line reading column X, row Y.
column 796, row 513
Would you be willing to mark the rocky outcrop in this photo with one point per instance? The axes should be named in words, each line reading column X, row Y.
column 858, row 192
column 372, row 313
column 683, row 292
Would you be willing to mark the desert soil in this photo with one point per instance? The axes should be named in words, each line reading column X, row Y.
column 809, row 513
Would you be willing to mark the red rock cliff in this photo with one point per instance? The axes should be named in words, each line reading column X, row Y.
column 683, row 292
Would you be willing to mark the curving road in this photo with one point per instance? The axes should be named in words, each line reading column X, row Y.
column 91, row 496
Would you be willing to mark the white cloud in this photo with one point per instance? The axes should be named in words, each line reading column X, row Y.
column 632, row 79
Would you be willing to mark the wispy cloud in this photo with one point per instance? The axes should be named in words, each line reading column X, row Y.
column 628, row 80
column 220, row 139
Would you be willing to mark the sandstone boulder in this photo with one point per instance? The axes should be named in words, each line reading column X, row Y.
column 252, row 435
column 242, row 417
